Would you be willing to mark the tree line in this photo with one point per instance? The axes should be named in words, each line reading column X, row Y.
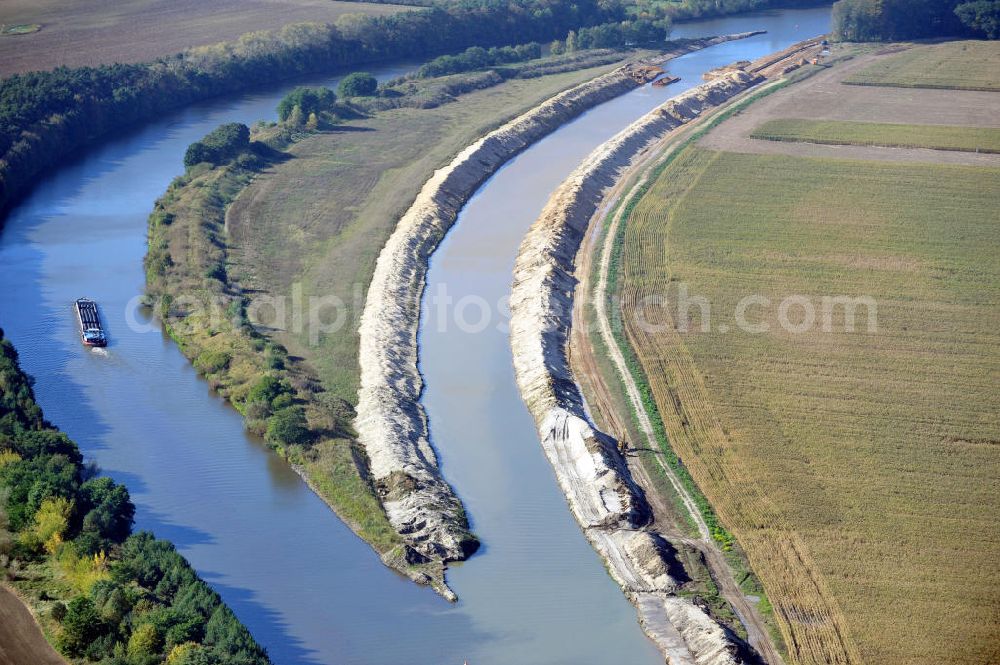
column 120, row 598
column 477, row 57
column 892, row 20
column 45, row 115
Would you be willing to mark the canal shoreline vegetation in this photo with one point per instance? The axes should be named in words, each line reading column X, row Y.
column 99, row 591
column 280, row 399
column 189, row 256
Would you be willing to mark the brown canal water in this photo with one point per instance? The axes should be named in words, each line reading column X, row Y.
column 310, row 590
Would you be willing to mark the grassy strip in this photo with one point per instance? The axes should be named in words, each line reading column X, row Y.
column 186, row 279
column 887, row 135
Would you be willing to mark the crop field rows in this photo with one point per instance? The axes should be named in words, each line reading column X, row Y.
column 965, row 65
column 854, row 468
column 889, row 135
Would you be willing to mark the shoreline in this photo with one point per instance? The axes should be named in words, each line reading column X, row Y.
column 391, row 422
column 602, row 494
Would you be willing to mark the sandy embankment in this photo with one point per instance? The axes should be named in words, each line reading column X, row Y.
column 391, row 423
column 601, row 492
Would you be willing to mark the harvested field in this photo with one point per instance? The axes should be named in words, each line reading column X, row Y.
column 824, row 98
column 886, row 135
column 76, row 32
column 963, row 65
column 857, row 469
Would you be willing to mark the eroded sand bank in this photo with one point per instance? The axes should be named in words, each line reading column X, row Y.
column 595, row 479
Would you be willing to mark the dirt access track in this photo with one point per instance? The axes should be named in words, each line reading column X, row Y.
column 21, row 639
column 94, row 32
column 825, row 97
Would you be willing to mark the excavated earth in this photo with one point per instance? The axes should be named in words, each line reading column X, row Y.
column 391, row 422
column 600, row 490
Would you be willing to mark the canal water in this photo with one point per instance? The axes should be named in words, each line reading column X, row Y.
column 309, row 590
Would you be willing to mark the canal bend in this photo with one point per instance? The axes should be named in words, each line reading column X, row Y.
column 310, row 590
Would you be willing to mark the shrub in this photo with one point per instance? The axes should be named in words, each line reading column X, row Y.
column 282, row 401
column 210, row 362
column 358, row 84
column 306, row 100
column 288, row 426
column 144, row 641
column 476, row 57
column 219, row 146
column 81, row 626
column 267, row 388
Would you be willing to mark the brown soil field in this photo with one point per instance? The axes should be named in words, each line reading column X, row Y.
column 824, row 96
column 21, row 638
column 75, row 32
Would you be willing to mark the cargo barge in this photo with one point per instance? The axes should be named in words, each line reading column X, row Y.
column 91, row 331
column 666, row 80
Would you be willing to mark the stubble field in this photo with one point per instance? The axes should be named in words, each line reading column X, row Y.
column 963, row 65
column 76, row 33
column 858, row 469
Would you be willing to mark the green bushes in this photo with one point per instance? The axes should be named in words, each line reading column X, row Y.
column 307, row 101
column 133, row 599
column 288, row 427
column 616, row 35
column 210, row 362
column 358, row 84
column 476, row 57
column 268, row 388
column 220, row 146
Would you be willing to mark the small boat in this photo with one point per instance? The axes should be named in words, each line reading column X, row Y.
column 91, row 331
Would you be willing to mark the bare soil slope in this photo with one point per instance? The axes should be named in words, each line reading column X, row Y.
column 21, row 639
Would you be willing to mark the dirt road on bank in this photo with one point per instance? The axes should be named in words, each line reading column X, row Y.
column 603, row 401
column 21, row 638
